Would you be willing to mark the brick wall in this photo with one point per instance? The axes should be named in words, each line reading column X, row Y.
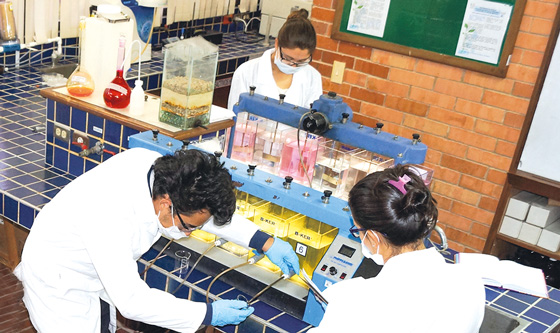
column 470, row 121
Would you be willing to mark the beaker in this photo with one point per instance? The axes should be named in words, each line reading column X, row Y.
column 182, row 262
column 181, row 269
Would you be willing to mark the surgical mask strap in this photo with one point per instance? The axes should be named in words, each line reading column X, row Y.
column 378, row 241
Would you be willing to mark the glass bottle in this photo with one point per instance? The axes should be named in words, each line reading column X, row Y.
column 117, row 93
column 80, row 83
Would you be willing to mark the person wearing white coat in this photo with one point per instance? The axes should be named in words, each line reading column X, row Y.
column 83, row 245
column 284, row 69
column 416, row 290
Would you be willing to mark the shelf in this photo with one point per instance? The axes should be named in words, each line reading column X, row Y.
column 517, row 242
column 531, row 183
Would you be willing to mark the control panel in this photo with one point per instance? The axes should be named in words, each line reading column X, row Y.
column 339, row 263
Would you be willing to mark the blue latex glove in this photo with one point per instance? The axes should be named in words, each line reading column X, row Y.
column 282, row 255
column 227, row 311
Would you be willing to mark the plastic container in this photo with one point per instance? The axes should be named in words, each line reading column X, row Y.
column 189, row 74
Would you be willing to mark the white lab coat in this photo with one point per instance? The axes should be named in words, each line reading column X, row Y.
column 306, row 86
column 414, row 292
column 84, row 245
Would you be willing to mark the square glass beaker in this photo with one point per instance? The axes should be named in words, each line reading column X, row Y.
column 310, row 239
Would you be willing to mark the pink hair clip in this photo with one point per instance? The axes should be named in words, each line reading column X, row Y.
column 400, row 184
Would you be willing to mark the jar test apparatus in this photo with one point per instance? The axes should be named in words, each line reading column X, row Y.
column 331, row 119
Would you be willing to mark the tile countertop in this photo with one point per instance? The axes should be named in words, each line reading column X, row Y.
column 26, row 184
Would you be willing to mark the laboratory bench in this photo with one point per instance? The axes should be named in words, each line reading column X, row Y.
column 35, row 165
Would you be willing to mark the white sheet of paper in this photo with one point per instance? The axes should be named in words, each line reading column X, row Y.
column 483, row 30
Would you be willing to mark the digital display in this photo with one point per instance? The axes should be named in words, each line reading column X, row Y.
column 347, row 251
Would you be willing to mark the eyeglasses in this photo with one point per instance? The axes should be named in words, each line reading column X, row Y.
column 356, row 231
column 291, row 61
column 188, row 227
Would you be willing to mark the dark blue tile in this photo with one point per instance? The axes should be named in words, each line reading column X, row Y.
column 535, row 328
column 1, row 203
column 549, row 305
column 32, row 157
column 289, row 323
column 37, row 200
column 127, row 131
column 63, row 114
column 21, row 192
column 10, row 208
column 29, row 167
column 522, row 297
column 511, row 303
column 554, row 294
column 78, row 121
column 25, row 179
column 541, row 316
column 50, row 109
column 11, row 172
column 76, row 165
column 61, row 159
column 44, row 174
column 52, row 193
column 49, row 153
column 26, row 215
column 90, row 165
column 41, row 186
column 14, row 161
column 113, row 132
column 59, row 181
column 95, row 125
column 50, row 132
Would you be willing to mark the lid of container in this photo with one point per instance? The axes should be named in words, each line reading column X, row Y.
column 108, row 9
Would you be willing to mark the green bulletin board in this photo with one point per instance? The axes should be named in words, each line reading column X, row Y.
column 429, row 29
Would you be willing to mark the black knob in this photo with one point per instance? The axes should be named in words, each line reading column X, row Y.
column 379, row 125
column 345, row 115
column 218, row 154
column 155, row 133
column 185, row 145
column 327, row 193
column 289, row 179
column 251, row 170
column 282, row 96
column 331, row 94
column 416, row 136
column 252, row 90
column 332, row 270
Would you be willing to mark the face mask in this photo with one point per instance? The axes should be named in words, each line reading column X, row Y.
column 173, row 231
column 377, row 258
column 284, row 68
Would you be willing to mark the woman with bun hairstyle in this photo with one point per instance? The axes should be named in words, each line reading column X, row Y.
column 284, row 69
column 416, row 291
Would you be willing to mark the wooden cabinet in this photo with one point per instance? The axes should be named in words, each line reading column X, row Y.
column 543, row 101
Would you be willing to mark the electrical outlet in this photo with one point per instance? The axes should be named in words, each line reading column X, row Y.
column 62, row 132
column 80, row 138
column 337, row 71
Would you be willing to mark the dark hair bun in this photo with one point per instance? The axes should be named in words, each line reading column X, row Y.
column 301, row 13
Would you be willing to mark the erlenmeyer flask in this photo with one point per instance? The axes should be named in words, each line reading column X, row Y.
column 80, row 83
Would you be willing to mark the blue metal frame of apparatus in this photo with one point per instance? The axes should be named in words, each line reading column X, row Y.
column 338, row 118
column 266, row 186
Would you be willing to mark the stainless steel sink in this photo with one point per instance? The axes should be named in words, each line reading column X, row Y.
column 497, row 321
column 64, row 70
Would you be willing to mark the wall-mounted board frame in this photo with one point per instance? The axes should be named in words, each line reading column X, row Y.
column 478, row 35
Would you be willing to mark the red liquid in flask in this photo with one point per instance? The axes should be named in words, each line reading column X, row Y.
column 117, row 93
